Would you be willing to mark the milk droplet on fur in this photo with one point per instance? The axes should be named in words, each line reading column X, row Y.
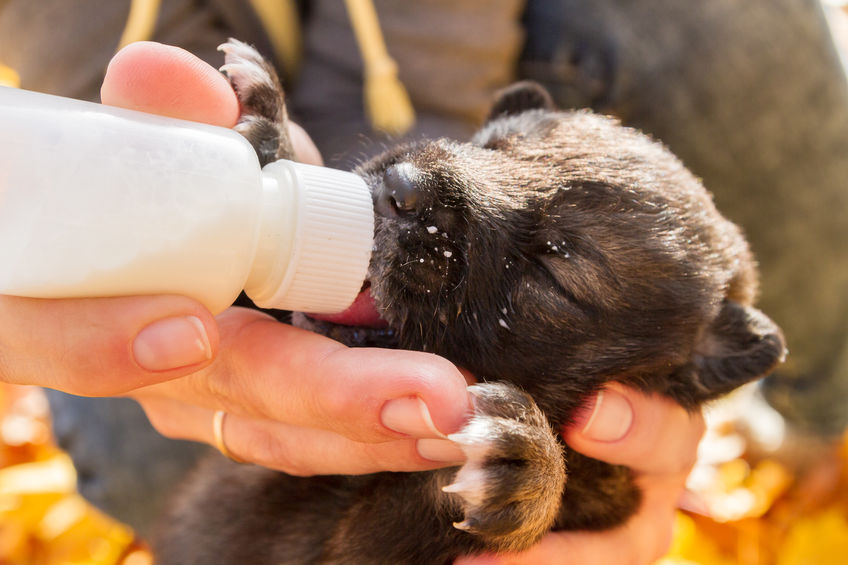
column 503, row 323
column 432, row 229
column 448, row 253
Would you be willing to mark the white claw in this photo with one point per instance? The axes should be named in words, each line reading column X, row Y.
column 465, row 525
column 238, row 47
column 476, row 390
column 471, row 484
column 456, row 488
column 245, row 72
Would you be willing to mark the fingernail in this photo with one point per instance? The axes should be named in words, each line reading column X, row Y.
column 172, row 343
column 409, row 416
column 441, row 450
column 609, row 419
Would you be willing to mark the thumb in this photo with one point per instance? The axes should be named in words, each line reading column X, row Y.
column 101, row 347
column 649, row 433
column 167, row 80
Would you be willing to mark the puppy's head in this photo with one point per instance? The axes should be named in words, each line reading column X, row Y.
column 562, row 247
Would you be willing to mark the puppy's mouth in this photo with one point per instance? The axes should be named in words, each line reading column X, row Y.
column 363, row 312
column 360, row 325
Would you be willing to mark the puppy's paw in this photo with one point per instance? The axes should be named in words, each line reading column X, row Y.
column 511, row 486
column 261, row 101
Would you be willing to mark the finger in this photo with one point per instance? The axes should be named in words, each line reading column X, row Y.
column 576, row 548
column 269, row 370
column 167, row 80
column 99, row 347
column 308, row 451
column 641, row 541
column 649, row 433
column 296, row 451
column 304, row 148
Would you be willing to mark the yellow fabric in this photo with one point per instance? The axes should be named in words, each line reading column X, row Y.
column 386, row 100
column 141, row 21
column 8, row 76
column 280, row 21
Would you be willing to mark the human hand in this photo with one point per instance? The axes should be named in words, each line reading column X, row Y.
column 102, row 347
column 298, row 401
column 295, row 401
column 658, row 440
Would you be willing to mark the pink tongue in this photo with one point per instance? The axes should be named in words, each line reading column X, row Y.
column 361, row 313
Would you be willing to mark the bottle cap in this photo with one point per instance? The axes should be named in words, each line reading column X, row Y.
column 333, row 236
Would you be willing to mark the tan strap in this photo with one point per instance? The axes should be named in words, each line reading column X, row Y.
column 386, row 100
column 141, row 22
column 9, row 77
column 281, row 23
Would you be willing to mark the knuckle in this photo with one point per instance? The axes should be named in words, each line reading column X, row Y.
column 350, row 412
column 395, row 456
column 165, row 429
column 434, row 368
column 269, row 450
column 216, row 385
column 337, row 404
column 226, row 389
column 435, row 377
column 161, row 421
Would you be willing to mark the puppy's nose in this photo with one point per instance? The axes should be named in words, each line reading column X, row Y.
column 399, row 195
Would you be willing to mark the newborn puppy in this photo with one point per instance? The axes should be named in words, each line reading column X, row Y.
column 553, row 253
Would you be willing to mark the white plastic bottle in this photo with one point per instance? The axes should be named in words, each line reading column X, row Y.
column 101, row 201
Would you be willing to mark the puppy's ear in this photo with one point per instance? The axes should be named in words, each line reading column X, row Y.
column 742, row 344
column 520, row 97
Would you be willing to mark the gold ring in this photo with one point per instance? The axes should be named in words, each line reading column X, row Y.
column 218, row 434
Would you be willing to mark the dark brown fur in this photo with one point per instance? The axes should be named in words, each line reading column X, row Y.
column 551, row 254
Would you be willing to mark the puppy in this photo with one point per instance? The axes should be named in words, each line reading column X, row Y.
column 553, row 253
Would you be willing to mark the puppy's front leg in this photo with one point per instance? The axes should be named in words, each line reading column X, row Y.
column 263, row 120
column 510, row 489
